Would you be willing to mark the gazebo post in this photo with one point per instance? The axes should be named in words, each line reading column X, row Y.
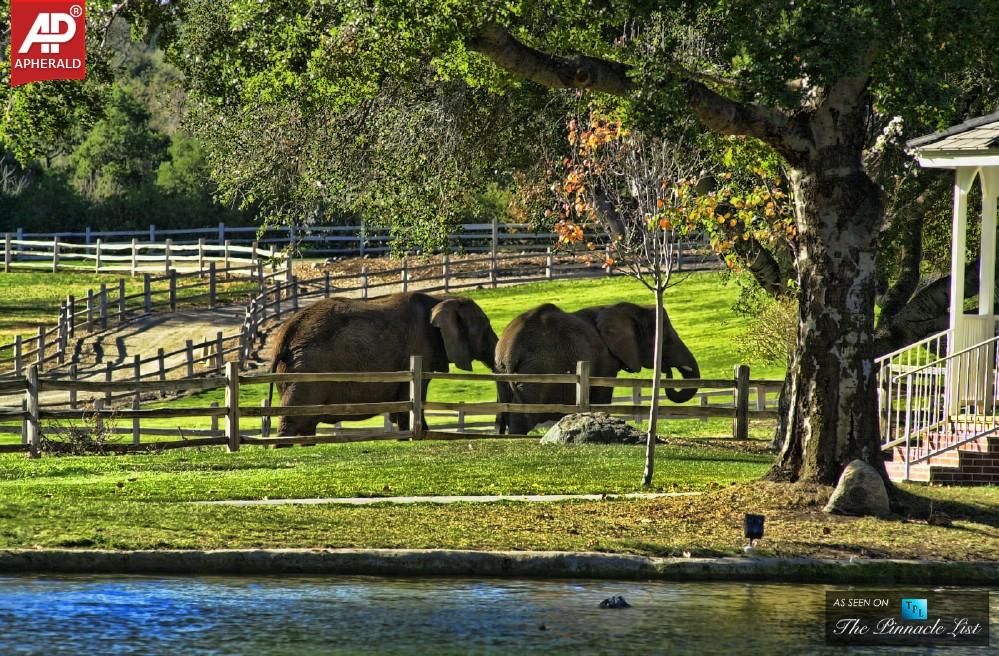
column 989, row 177
column 963, row 178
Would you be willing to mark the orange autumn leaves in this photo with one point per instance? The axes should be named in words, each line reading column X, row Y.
column 732, row 212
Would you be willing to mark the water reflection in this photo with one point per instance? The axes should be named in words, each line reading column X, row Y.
column 347, row 615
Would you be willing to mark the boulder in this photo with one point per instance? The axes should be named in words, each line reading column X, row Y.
column 592, row 428
column 617, row 601
column 860, row 491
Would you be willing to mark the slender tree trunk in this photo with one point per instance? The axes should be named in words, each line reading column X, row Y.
column 832, row 399
column 657, row 371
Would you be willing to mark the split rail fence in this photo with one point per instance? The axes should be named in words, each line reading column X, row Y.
column 319, row 241
column 237, row 419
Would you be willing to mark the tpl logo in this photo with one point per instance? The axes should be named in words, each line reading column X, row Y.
column 48, row 40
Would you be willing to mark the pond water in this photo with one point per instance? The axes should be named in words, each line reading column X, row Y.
column 346, row 615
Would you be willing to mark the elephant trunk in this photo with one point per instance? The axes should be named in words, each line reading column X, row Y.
column 688, row 369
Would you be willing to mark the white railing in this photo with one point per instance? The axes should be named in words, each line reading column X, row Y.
column 133, row 257
column 342, row 240
column 931, row 403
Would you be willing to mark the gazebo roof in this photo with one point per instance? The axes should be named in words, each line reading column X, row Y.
column 974, row 142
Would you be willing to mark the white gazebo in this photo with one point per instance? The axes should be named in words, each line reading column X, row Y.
column 940, row 394
column 972, row 150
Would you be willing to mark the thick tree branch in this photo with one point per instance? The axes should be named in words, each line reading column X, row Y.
column 717, row 112
column 911, row 257
column 577, row 72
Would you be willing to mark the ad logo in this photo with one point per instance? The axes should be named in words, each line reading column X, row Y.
column 914, row 610
column 48, row 41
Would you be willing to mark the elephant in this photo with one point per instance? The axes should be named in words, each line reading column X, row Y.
column 343, row 334
column 611, row 337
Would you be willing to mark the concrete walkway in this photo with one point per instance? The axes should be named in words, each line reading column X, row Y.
column 492, row 498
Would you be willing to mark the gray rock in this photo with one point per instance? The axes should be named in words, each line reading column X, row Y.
column 860, row 491
column 616, row 601
column 592, row 428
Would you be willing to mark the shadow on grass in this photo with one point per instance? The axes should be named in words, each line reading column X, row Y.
column 916, row 505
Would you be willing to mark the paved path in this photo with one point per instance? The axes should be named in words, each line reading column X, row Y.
column 491, row 498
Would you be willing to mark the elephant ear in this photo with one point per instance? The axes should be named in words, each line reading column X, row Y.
column 618, row 329
column 446, row 316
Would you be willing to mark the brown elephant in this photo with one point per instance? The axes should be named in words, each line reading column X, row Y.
column 343, row 334
column 547, row 340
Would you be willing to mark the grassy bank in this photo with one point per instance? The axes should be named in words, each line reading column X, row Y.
column 138, row 502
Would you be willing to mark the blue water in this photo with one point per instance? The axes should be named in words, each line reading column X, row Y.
column 350, row 615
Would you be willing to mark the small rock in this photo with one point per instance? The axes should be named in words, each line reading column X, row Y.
column 617, row 601
column 542, row 627
column 860, row 491
column 592, row 427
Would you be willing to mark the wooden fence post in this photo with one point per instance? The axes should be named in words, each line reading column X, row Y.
column 405, row 274
column 212, row 281
column 160, row 360
column 219, row 355
column 40, row 355
column 740, row 427
column 493, row 248
column 31, row 401
column 103, row 308
column 135, row 257
column 18, row 358
column 221, row 232
column 189, row 354
column 294, row 294
column 61, row 335
column 147, row 293
column 549, row 263
column 265, row 421
column 121, row 300
column 97, row 257
column 201, row 257
column 108, row 376
column 136, row 422
column 90, row 310
column 364, row 282
column 583, row 386
column 326, row 284
column 260, row 277
column 166, row 256
column 277, row 299
column 362, row 236
column 445, row 265
column 289, row 269
column 152, row 232
column 24, row 422
column 416, row 395
column 71, row 309
column 228, row 245
column 72, row 377
column 55, row 253
column 6, row 252
column 98, row 417
column 232, row 405
column 173, row 289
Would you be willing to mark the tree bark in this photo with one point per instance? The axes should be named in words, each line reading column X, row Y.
column 657, row 370
column 832, row 399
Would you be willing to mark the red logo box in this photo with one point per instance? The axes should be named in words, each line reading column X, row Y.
column 48, row 40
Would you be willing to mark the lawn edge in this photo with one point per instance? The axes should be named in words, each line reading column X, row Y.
column 498, row 564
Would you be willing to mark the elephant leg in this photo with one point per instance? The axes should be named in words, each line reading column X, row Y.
column 295, row 426
column 502, row 418
column 401, row 420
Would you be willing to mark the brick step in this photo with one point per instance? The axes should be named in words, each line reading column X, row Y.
column 956, row 467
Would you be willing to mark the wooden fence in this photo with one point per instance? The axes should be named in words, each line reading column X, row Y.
column 237, row 431
column 110, row 305
column 133, row 257
column 313, row 241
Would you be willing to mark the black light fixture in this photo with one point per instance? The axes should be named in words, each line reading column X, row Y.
column 752, row 528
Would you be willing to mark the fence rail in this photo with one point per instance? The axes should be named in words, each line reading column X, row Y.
column 316, row 241
column 35, row 420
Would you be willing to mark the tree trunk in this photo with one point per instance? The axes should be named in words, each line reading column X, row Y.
column 657, row 371
column 832, row 401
